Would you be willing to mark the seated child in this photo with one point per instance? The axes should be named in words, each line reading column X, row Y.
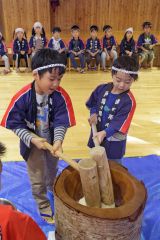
column 109, row 46
column 38, row 39
column 76, row 49
column 127, row 46
column 20, row 49
column 146, row 43
column 93, row 48
column 56, row 42
column 3, row 54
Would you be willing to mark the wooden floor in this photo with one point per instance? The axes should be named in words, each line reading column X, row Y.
column 144, row 134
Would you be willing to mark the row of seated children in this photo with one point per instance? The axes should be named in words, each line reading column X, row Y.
column 76, row 48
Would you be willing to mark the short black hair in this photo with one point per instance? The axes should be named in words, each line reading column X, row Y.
column 56, row 29
column 75, row 27
column 93, row 28
column 106, row 28
column 126, row 63
column 47, row 56
column 147, row 24
column 2, row 149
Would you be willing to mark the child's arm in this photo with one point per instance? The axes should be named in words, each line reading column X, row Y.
column 45, row 42
column 140, row 44
column 31, row 44
column 15, row 47
column 57, row 146
column 63, row 118
column 154, row 42
column 14, row 117
column 92, row 102
column 122, row 120
column 99, row 48
column 50, row 43
column 62, row 46
column 81, row 47
column 71, row 48
column 26, row 48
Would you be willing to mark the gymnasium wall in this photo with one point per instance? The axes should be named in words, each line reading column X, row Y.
column 119, row 13
column 23, row 13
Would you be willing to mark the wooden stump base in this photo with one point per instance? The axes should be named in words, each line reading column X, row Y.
column 77, row 222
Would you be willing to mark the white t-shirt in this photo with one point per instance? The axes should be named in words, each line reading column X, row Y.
column 42, row 121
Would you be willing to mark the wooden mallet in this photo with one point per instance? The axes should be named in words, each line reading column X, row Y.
column 87, row 169
column 98, row 154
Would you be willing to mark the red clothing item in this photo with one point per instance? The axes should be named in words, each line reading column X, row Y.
column 15, row 225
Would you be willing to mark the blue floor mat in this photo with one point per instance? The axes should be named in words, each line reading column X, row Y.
column 16, row 188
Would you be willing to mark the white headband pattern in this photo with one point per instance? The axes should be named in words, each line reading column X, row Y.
column 19, row 30
column 37, row 24
column 49, row 66
column 130, row 29
column 124, row 71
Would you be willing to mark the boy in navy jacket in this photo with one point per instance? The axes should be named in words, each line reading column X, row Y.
column 76, row 49
column 93, row 48
column 112, row 106
column 56, row 43
column 45, row 109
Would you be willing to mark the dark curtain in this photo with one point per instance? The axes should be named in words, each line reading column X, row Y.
column 54, row 4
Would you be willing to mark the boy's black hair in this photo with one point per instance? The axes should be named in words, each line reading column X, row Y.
column 48, row 56
column 93, row 28
column 106, row 27
column 2, row 149
column 75, row 27
column 126, row 63
column 43, row 34
column 147, row 24
column 56, row 29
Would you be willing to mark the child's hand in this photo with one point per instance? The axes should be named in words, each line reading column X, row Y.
column 93, row 119
column 78, row 53
column 150, row 46
column 22, row 52
column 39, row 142
column 100, row 135
column 61, row 50
column 129, row 53
column 57, row 146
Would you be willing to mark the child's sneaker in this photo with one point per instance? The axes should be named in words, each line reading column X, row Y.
column 48, row 218
column 18, row 70
column 82, row 71
column 78, row 69
column 47, row 215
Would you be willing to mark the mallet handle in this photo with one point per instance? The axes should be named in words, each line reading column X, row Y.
column 95, row 139
column 49, row 147
column 62, row 156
